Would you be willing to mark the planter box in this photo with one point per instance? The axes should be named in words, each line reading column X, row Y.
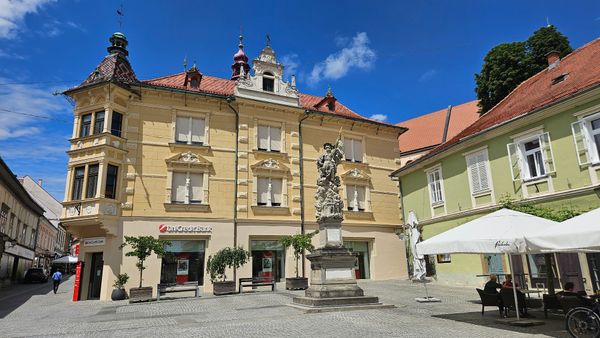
column 118, row 294
column 296, row 283
column 223, row 288
column 143, row 294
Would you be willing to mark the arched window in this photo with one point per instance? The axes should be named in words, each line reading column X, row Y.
column 268, row 82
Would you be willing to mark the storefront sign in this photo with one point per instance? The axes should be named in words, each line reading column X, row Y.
column 96, row 241
column 77, row 283
column 163, row 228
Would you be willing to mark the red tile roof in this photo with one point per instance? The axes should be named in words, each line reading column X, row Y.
column 427, row 130
column 218, row 86
column 580, row 70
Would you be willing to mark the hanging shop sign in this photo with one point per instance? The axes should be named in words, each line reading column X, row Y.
column 164, row 228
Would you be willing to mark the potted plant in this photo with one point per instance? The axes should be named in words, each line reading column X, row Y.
column 119, row 292
column 141, row 248
column 299, row 243
column 217, row 264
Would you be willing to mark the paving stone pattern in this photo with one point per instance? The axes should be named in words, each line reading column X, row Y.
column 258, row 314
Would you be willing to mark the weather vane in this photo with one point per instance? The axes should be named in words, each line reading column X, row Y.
column 268, row 40
column 120, row 14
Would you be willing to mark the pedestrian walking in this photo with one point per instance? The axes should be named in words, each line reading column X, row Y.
column 56, row 277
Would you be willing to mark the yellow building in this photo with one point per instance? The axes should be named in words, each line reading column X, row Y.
column 207, row 163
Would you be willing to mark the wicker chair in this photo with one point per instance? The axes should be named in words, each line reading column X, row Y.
column 508, row 299
column 489, row 299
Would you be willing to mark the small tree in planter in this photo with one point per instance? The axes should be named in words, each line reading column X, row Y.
column 119, row 292
column 299, row 243
column 141, row 248
column 217, row 264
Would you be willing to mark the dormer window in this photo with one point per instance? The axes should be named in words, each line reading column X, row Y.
column 195, row 82
column 268, row 82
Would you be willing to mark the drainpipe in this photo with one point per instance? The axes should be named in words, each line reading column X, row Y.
column 235, row 177
column 301, row 155
column 406, row 247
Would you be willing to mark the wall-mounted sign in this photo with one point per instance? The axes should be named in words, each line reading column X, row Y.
column 96, row 241
column 163, row 228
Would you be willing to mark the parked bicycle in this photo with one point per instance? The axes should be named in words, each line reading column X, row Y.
column 583, row 321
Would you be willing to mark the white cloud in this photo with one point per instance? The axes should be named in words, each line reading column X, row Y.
column 291, row 64
column 379, row 117
column 13, row 12
column 357, row 54
column 19, row 101
column 9, row 55
column 428, row 75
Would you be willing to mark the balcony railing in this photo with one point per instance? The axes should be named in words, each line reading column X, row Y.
column 90, row 208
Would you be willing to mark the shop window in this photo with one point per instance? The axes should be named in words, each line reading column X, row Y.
column 268, row 260
column 116, row 124
column 187, row 188
column 183, row 263
column 269, row 138
column 444, row 258
column 98, row 122
column 356, row 198
column 189, row 130
column 353, row 150
column 92, row 181
column 78, row 176
column 86, row 124
column 268, row 82
column 269, row 191
column 111, row 181
column 3, row 217
column 362, row 268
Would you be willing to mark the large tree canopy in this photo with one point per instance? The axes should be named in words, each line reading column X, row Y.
column 507, row 65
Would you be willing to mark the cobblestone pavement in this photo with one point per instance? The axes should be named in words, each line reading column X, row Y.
column 258, row 314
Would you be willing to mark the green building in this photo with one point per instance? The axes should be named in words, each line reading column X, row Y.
column 539, row 145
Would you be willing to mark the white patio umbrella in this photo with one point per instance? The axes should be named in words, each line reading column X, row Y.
column 500, row 232
column 578, row 234
column 65, row 260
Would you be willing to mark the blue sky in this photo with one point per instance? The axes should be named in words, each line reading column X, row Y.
column 394, row 60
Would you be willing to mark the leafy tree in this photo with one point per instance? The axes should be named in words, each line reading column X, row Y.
column 543, row 41
column 507, row 65
column 300, row 243
column 224, row 258
column 142, row 247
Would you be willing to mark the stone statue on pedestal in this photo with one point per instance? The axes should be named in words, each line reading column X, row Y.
column 328, row 202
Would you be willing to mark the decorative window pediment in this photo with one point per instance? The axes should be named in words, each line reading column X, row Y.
column 356, row 175
column 270, row 167
column 188, row 160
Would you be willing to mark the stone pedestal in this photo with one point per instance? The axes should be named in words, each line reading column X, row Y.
column 332, row 279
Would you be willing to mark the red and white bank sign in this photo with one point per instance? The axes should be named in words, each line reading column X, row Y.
column 166, row 229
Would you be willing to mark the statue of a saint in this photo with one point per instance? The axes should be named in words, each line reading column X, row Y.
column 328, row 202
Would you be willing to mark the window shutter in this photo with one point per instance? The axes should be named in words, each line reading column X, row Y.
column 275, row 139
column 362, row 205
column 514, row 161
column 262, row 188
column 198, row 130
column 178, row 188
column 196, row 183
column 546, row 148
column 348, row 150
column 263, row 137
column 484, row 182
column 474, row 172
column 581, row 144
column 358, row 153
column 276, row 185
column 182, row 129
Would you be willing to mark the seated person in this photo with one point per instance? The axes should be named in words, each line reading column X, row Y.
column 568, row 291
column 508, row 282
column 491, row 287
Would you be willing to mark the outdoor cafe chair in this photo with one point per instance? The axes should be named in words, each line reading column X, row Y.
column 488, row 299
column 508, row 299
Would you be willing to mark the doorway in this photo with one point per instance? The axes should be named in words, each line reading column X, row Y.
column 95, row 276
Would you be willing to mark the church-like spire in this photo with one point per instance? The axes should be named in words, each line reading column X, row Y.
column 240, row 65
column 118, row 44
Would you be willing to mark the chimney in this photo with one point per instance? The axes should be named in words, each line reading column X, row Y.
column 40, row 181
column 553, row 59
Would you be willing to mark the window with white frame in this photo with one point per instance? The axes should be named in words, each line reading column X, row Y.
column 269, row 138
column 356, row 196
column 269, row 191
column 353, row 149
column 477, row 166
column 187, row 188
column 434, row 179
column 531, row 157
column 190, row 130
column 586, row 133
